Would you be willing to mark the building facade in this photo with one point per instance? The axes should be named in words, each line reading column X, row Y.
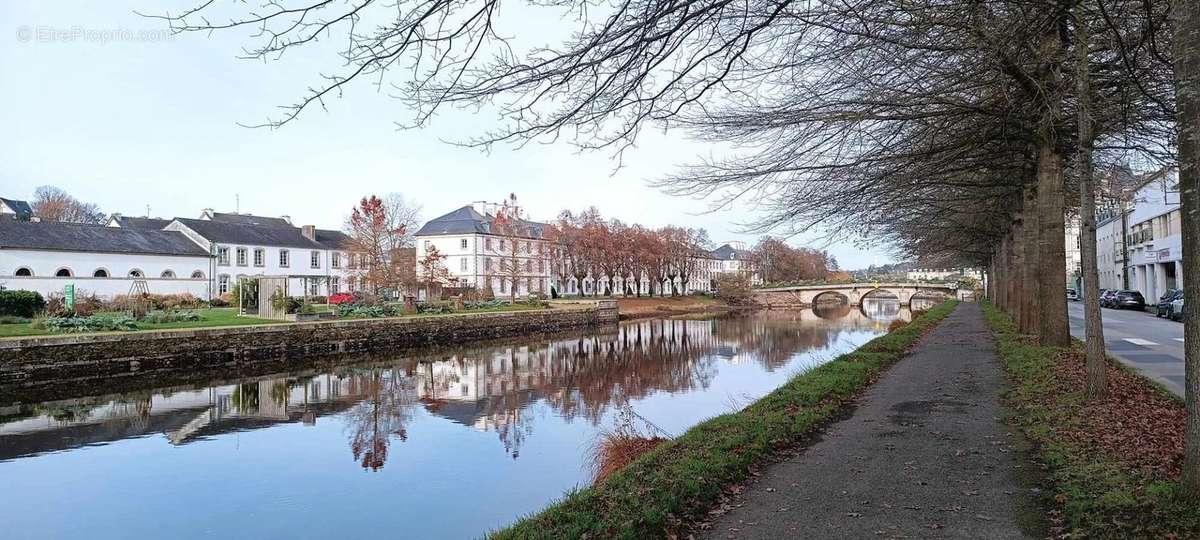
column 1154, row 237
column 46, row 257
column 477, row 255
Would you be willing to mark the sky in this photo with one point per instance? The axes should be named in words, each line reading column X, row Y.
column 109, row 106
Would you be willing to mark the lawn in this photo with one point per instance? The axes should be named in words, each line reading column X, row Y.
column 218, row 317
column 209, row 318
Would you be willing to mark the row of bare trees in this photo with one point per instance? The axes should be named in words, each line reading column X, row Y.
column 616, row 254
column 962, row 131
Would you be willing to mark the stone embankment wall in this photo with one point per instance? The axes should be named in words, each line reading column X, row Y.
column 37, row 361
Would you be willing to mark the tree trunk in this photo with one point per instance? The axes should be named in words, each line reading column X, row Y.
column 1053, row 326
column 1097, row 365
column 1187, row 96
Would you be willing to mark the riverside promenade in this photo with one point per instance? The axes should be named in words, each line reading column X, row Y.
column 924, row 455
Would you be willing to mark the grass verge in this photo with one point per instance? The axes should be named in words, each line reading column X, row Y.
column 1114, row 462
column 679, row 480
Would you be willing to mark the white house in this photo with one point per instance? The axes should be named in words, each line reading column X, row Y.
column 105, row 261
column 474, row 252
column 1110, row 249
column 244, row 245
column 12, row 208
column 1155, row 238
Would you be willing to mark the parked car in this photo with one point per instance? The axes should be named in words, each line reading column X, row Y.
column 1177, row 310
column 1072, row 294
column 1107, row 296
column 1129, row 300
column 1163, row 308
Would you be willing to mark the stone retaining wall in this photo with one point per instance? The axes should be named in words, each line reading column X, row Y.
column 37, row 361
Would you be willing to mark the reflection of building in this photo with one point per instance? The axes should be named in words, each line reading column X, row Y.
column 488, row 388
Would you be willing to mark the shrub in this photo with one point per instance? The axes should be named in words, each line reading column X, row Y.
column 284, row 303
column 351, row 311
column 94, row 323
column 483, row 304
column 21, row 303
column 734, row 288
column 12, row 319
column 434, row 308
column 170, row 316
column 341, row 298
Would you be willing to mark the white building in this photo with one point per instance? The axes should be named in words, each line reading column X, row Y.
column 475, row 255
column 1110, row 249
column 936, row 274
column 1155, row 236
column 46, row 257
column 244, row 245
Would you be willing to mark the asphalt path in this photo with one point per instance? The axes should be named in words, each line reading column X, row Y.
column 1151, row 345
column 924, row 455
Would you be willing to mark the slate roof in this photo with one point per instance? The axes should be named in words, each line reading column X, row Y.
column 247, row 219
column 466, row 220
column 20, row 208
column 141, row 222
column 59, row 236
column 262, row 234
column 728, row 253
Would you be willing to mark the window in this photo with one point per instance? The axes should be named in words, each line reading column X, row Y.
column 501, row 244
column 314, row 260
column 487, row 264
column 428, row 245
column 333, row 284
column 223, row 256
column 503, row 286
column 528, row 266
column 241, row 256
column 63, row 272
column 541, row 267
column 462, row 244
column 197, row 275
column 260, row 257
column 100, row 272
column 283, row 258
column 462, row 264
column 169, row 274
column 135, row 273
column 487, row 243
column 24, row 272
column 335, row 260
column 350, row 281
column 223, row 283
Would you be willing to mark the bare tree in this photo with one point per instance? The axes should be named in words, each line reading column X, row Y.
column 53, row 204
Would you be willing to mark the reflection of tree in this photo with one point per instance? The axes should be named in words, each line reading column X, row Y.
column 385, row 411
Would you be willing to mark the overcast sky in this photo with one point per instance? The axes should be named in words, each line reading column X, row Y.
column 127, row 121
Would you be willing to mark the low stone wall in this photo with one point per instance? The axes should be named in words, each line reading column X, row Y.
column 37, row 361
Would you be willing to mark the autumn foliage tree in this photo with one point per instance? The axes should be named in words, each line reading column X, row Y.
column 780, row 263
column 377, row 230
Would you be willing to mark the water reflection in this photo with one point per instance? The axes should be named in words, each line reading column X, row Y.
column 549, row 395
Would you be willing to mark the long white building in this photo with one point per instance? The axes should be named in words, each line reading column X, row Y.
column 203, row 257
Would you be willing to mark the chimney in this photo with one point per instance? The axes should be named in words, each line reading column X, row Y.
column 207, row 213
column 287, row 219
column 309, row 232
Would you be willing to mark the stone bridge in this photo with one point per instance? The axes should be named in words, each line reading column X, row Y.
column 852, row 293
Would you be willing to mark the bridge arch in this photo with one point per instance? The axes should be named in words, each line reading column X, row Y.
column 831, row 311
column 831, row 297
column 881, row 294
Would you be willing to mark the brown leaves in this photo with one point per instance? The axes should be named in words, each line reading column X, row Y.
column 1134, row 424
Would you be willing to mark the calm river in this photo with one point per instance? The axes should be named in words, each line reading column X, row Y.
column 447, row 444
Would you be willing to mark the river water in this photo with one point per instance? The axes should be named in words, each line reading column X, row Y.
column 449, row 443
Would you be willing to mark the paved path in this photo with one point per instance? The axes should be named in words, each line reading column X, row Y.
column 1151, row 345
column 923, row 456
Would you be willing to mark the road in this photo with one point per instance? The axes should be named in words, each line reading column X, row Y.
column 1151, row 345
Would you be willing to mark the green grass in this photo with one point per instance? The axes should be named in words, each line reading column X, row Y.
column 680, row 480
column 218, row 317
column 1099, row 497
